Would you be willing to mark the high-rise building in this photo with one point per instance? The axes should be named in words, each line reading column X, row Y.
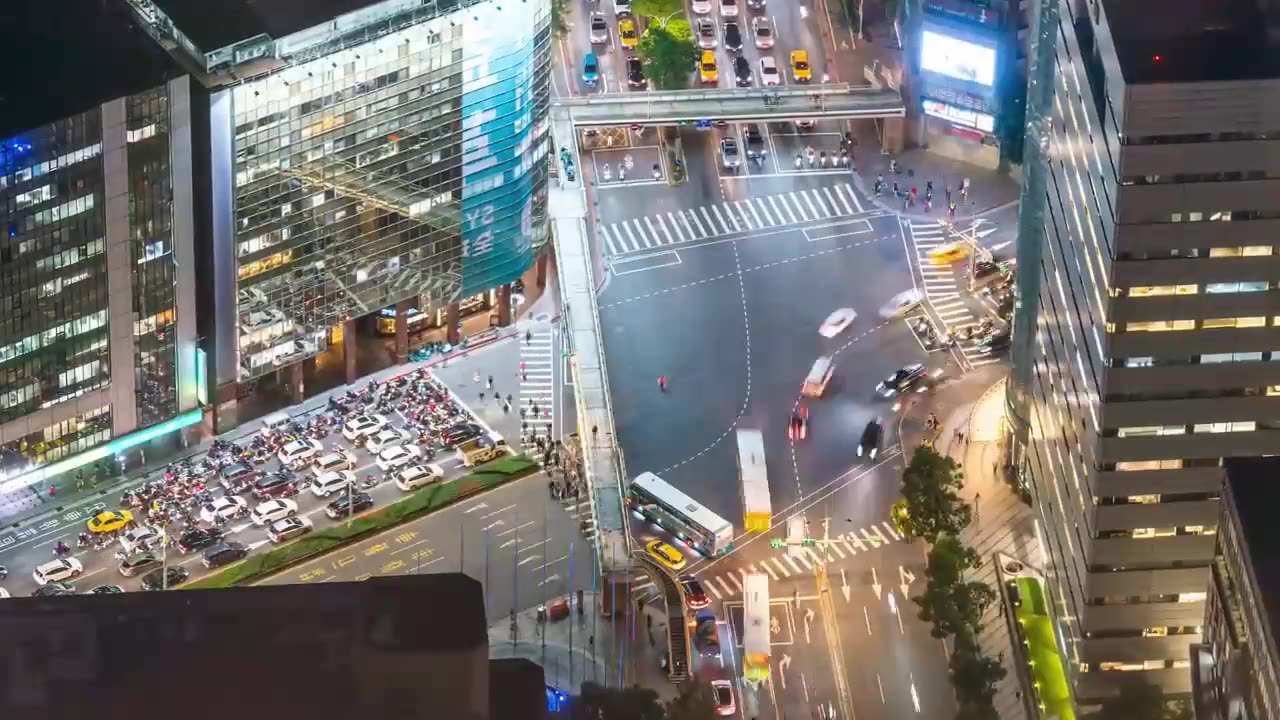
column 362, row 155
column 1149, row 311
column 97, row 302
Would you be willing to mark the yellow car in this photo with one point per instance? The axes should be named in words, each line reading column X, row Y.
column 105, row 522
column 800, row 66
column 627, row 32
column 665, row 554
column 707, row 67
column 948, row 253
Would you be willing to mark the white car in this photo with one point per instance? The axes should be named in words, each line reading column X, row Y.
column 728, row 8
column 621, row 7
column 295, row 350
column 385, row 438
column 57, row 571
column 769, row 76
column 902, row 303
column 701, row 7
column 705, row 29
column 412, row 477
column 331, row 482
column 836, row 322
column 262, row 320
column 225, row 508
column 299, row 451
column 273, row 510
column 288, row 529
column 139, row 538
column 398, row 456
column 762, row 29
column 362, row 426
column 334, row 462
column 599, row 29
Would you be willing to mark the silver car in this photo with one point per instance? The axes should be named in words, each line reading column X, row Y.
column 599, row 29
column 706, row 31
column 730, row 155
column 762, row 31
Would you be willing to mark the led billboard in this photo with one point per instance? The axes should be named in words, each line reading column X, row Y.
column 956, row 58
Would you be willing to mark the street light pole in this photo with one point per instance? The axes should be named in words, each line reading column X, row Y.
column 860, row 35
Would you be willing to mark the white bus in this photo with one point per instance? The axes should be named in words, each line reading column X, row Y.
column 757, row 507
column 756, row 639
column 655, row 500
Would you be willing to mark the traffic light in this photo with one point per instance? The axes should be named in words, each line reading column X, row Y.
column 809, row 542
column 776, row 543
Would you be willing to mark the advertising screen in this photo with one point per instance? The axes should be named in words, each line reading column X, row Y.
column 956, row 58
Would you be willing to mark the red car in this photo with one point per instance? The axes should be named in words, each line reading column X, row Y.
column 798, row 428
column 693, row 593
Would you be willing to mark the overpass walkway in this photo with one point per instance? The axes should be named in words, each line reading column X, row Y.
column 603, row 467
column 773, row 104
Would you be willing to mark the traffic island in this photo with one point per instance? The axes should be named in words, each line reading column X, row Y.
column 426, row 500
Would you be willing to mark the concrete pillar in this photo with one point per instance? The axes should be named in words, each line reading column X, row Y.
column 894, row 135
column 293, row 373
column 451, row 316
column 349, row 349
column 504, row 305
column 541, row 264
column 402, row 330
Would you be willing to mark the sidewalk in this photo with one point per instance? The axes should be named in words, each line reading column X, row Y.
column 583, row 648
column 32, row 507
column 1002, row 523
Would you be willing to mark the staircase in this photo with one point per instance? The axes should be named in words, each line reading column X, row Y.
column 677, row 636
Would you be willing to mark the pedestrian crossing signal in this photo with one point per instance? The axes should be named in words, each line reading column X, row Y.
column 808, row 542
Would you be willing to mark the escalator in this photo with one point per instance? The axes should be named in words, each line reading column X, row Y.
column 677, row 633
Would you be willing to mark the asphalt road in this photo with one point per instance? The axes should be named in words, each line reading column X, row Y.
column 524, row 546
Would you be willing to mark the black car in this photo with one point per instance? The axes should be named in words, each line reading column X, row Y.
column 902, row 380
column 635, row 73
column 236, row 477
column 54, row 589
column 459, row 434
column 869, row 445
column 706, row 638
column 198, row 539
column 742, row 71
column 165, row 578
column 995, row 342
column 339, row 508
column 732, row 37
column 224, row 554
column 753, row 139
column 282, row 483
column 106, row 590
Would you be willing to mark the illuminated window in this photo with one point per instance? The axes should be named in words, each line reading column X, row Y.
column 1225, row 427
column 1153, row 290
column 1151, row 431
column 1144, row 499
column 1190, row 597
column 1243, row 322
column 1155, row 632
column 1253, row 250
column 1229, row 357
column 1160, row 326
column 1140, row 361
column 1136, row 465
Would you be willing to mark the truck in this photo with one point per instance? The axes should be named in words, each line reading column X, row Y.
column 757, row 507
column 755, row 627
column 480, row 450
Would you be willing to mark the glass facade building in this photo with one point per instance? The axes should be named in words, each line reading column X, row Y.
column 1145, row 336
column 97, row 333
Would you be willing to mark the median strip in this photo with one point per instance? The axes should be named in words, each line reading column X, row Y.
column 428, row 499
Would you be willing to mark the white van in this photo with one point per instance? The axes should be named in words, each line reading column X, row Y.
column 415, row 476
column 329, row 483
column 819, row 375
column 333, row 462
column 274, row 423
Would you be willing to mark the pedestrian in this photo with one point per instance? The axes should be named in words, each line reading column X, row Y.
column 506, row 408
column 528, row 337
column 522, row 412
column 576, row 488
column 490, row 383
column 508, row 398
column 481, row 396
column 53, row 490
column 535, row 409
column 594, row 431
column 476, row 378
column 948, row 189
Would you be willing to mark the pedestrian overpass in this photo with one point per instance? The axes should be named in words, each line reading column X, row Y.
column 775, row 104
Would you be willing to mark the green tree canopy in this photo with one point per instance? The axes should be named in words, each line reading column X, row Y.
column 951, row 603
column 668, row 53
column 931, row 485
column 695, row 702
column 596, row 702
column 656, row 8
column 974, row 677
column 559, row 23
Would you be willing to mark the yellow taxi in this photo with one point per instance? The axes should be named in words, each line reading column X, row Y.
column 105, row 522
column 665, row 554
column 707, row 71
column 950, row 252
column 627, row 32
column 800, row 70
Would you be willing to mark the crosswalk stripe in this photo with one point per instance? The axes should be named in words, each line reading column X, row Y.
column 729, row 212
column 649, row 224
column 736, row 581
column 769, row 570
column 631, row 236
column 836, row 547
column 799, row 208
column 892, row 533
column 724, row 227
column 849, row 547
column 614, row 244
column 688, row 228
column 880, row 535
column 853, row 197
column 755, row 215
column 809, row 202
column 781, row 569
column 854, row 540
column 832, row 199
column 675, row 226
column 775, row 201
column 714, row 591
column 803, row 561
column 764, row 210
column 663, row 227
column 720, row 579
column 702, row 232
column 792, row 563
column 746, row 221
column 817, row 557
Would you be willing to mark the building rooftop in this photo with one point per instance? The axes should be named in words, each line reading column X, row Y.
column 1183, row 41
column 1257, row 494
column 64, row 57
column 216, row 25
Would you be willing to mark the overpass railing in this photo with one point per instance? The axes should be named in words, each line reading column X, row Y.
column 775, row 103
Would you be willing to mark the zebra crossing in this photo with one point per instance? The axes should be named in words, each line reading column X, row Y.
column 684, row 226
column 580, row 509
column 783, row 564
column 537, row 396
column 941, row 287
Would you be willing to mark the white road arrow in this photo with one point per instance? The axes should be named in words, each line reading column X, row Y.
column 844, row 585
column 983, row 233
column 905, row 577
column 783, row 664
column 1000, row 246
column 876, row 587
column 478, row 506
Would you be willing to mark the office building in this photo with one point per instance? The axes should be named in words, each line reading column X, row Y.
column 1236, row 669
column 97, row 302
column 1148, row 326
column 363, row 156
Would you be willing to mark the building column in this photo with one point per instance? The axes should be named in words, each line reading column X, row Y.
column 296, row 390
column 402, row 330
column 451, row 330
column 120, row 267
column 349, row 348
column 504, row 305
column 894, row 139
column 541, row 265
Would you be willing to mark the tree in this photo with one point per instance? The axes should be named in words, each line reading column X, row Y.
column 974, row 677
column 931, row 485
column 695, row 702
column 596, row 702
column 559, row 24
column 668, row 53
column 952, row 604
column 658, row 9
